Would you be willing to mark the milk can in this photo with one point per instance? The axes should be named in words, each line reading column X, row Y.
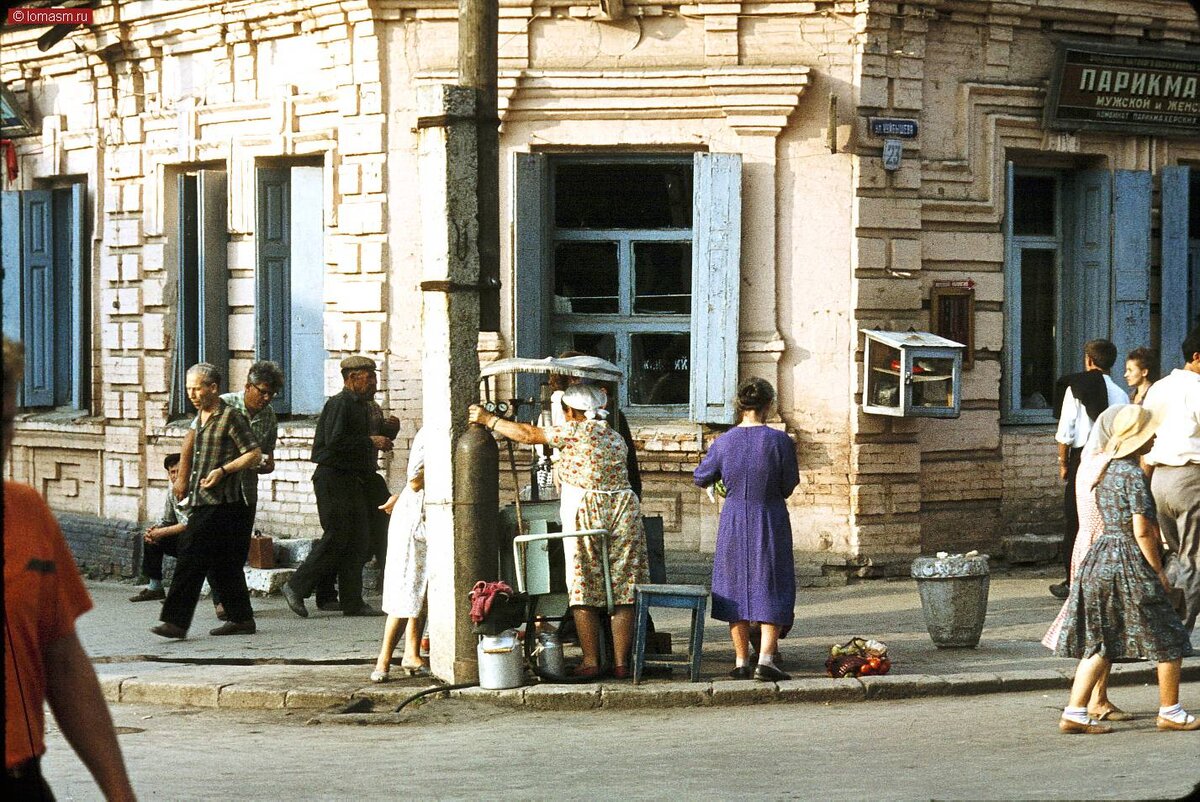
column 550, row 654
column 954, row 594
column 501, row 661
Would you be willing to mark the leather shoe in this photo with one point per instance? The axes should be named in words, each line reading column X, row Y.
column 148, row 594
column 235, row 628
column 1178, row 726
column 169, row 630
column 590, row 672
column 742, row 672
column 622, row 672
column 1060, row 591
column 1075, row 728
column 364, row 611
column 766, row 673
column 327, row 606
column 294, row 602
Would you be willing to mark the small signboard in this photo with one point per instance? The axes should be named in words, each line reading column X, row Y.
column 893, row 127
column 893, row 153
column 1105, row 88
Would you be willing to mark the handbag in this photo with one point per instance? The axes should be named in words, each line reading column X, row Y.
column 262, row 552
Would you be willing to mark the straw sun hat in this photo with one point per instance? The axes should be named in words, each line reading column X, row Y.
column 1132, row 426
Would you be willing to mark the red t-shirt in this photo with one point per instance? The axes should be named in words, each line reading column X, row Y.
column 43, row 595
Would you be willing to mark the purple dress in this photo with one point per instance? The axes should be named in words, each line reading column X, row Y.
column 754, row 577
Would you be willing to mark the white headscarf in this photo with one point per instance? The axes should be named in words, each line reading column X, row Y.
column 587, row 399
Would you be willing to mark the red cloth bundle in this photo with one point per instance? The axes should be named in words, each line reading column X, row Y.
column 483, row 595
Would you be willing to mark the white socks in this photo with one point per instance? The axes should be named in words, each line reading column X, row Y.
column 1176, row 713
column 1077, row 714
column 742, row 663
column 765, row 659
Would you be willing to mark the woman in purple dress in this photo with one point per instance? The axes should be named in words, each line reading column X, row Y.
column 754, row 578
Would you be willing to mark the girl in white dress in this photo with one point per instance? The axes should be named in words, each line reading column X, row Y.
column 407, row 575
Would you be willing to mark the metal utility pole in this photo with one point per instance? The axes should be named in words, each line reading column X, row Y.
column 478, row 21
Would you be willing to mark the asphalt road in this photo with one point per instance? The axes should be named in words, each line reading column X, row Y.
column 1002, row 746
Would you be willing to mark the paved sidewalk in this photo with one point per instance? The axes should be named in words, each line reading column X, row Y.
column 324, row 661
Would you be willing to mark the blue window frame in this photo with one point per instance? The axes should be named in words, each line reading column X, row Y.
column 47, row 293
column 634, row 259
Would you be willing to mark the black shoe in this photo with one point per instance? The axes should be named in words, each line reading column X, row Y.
column 327, row 606
column 1060, row 591
column 742, row 672
column 765, row 673
column 235, row 628
column 364, row 611
column 149, row 594
column 169, row 630
column 294, row 602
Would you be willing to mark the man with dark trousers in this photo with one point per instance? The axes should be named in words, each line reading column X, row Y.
column 220, row 519
column 344, row 450
column 1084, row 396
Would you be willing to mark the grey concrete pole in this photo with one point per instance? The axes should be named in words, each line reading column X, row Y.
column 447, row 172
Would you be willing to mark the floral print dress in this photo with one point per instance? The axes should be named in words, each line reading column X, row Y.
column 1118, row 609
column 596, row 495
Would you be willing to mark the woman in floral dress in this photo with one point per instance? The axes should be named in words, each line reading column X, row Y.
column 595, row 494
column 1119, row 609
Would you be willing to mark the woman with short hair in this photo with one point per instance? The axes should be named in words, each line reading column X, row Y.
column 754, row 578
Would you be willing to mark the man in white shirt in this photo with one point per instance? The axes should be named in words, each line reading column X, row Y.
column 1175, row 462
column 1087, row 395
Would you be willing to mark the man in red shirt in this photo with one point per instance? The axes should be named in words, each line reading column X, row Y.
column 43, row 658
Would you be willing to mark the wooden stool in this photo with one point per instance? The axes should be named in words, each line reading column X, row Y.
column 687, row 597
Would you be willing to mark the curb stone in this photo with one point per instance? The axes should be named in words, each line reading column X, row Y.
column 901, row 686
column 741, row 692
column 171, row 693
column 248, row 697
column 663, row 695
column 971, row 684
column 563, row 697
column 821, row 689
column 1032, row 680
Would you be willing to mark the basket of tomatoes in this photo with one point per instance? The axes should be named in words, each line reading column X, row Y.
column 858, row 657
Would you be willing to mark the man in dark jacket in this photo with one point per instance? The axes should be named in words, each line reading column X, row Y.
column 344, row 450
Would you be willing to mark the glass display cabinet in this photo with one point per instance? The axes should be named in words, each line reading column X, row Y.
column 912, row 374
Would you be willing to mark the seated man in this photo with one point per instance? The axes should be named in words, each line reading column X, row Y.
column 162, row 538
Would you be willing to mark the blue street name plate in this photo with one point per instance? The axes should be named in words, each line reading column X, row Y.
column 893, row 127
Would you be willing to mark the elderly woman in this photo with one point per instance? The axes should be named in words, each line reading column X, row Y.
column 595, row 495
column 1118, row 610
column 754, row 577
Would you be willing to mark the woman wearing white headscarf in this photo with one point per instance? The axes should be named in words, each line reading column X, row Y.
column 595, row 494
column 1118, row 609
column 407, row 576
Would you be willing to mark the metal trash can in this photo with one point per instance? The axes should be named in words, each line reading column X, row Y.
column 954, row 595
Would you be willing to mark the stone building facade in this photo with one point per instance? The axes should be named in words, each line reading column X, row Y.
column 256, row 164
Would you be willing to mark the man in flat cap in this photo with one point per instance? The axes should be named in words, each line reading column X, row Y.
column 345, row 452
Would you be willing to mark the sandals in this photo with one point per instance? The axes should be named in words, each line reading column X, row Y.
column 379, row 676
column 419, row 670
column 1111, row 713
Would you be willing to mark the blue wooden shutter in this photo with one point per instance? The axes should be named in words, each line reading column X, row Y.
column 531, row 265
column 306, row 350
column 716, row 273
column 1131, row 261
column 39, row 322
column 1175, row 307
column 81, row 300
column 213, row 249
column 1085, row 301
column 273, row 238
column 10, row 262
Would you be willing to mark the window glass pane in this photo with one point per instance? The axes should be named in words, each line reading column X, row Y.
column 601, row 344
column 1194, row 204
column 659, row 368
column 1034, row 204
column 1039, row 302
column 932, row 382
column 623, row 195
column 662, row 278
column 586, row 278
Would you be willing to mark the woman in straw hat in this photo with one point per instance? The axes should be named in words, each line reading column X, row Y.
column 1118, row 610
column 595, row 495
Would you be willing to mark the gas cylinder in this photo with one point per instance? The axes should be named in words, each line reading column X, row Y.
column 477, row 501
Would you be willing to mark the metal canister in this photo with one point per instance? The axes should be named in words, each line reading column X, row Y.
column 550, row 654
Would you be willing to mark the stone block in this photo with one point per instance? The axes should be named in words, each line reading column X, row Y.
column 168, row 692
column 969, row 683
column 562, row 697
column 267, row 580
column 242, row 292
column 905, row 255
column 821, row 690
column 152, row 256
column 1030, row 680
column 1031, row 549
column 241, row 332
column 733, row 692
column 315, row 698
column 246, row 697
column 365, row 137
column 293, row 551
column 359, row 296
column 657, row 695
column 901, row 686
column 889, row 213
column 513, row 697
column 887, row 294
column 361, row 218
